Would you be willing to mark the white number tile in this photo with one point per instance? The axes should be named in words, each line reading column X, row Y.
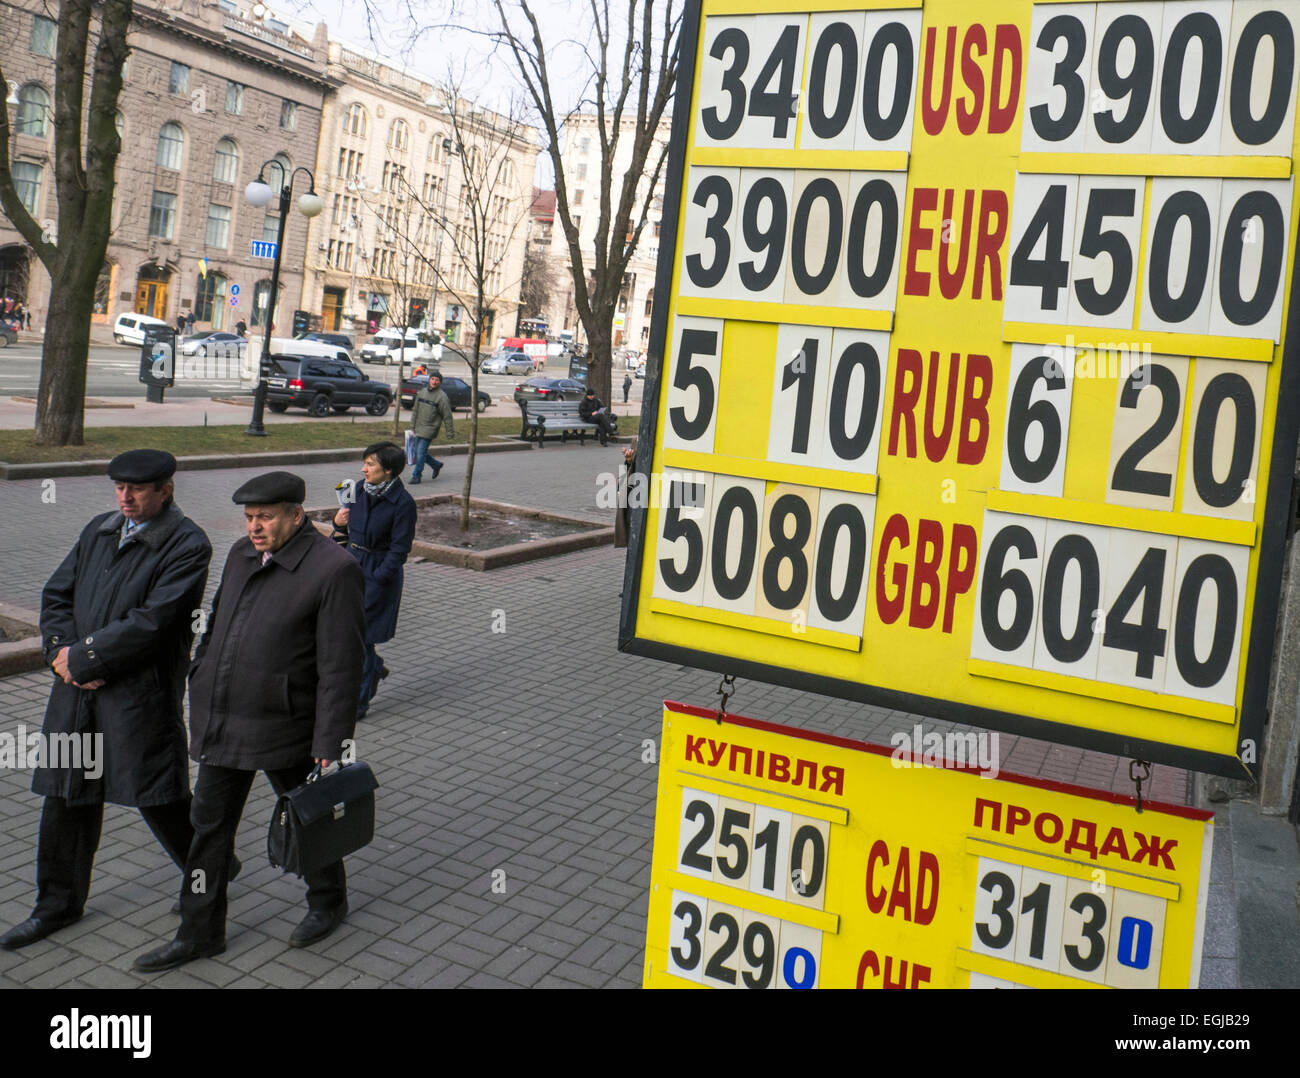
column 694, row 487
column 1257, row 241
column 773, row 856
column 1085, row 929
column 1077, row 612
column 677, row 935
column 862, row 350
column 1134, row 423
column 844, row 559
column 838, row 72
column 802, row 374
column 690, row 829
column 704, row 226
column 712, row 71
column 866, row 255
column 806, row 878
column 890, row 77
column 1189, row 86
column 688, row 397
column 1211, row 612
column 1100, row 269
column 794, row 968
column 1058, row 399
column 1024, row 302
column 1121, row 665
column 1243, row 12
column 719, row 935
column 819, row 236
column 765, row 972
column 1031, row 565
column 996, row 908
column 768, row 215
column 1041, row 86
column 796, row 614
column 1038, row 936
column 733, row 849
column 1192, row 254
column 1124, row 61
column 739, row 563
column 1222, row 427
column 1133, row 960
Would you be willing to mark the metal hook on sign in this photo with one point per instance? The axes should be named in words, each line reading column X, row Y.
column 1139, row 771
column 726, row 689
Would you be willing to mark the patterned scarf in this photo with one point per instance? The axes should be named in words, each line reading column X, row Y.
column 378, row 491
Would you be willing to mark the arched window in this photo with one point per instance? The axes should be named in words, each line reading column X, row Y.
column 285, row 164
column 33, row 110
column 27, row 182
column 354, row 120
column 225, row 166
column 399, row 136
column 119, row 121
column 171, row 145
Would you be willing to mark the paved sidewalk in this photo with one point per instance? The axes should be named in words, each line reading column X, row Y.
column 515, row 753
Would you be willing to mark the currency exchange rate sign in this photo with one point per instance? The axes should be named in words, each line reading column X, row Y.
column 784, row 859
column 972, row 398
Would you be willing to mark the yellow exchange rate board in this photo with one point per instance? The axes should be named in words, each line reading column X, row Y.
column 972, row 399
column 787, row 859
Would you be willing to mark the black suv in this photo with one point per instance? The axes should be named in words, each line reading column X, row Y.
column 320, row 384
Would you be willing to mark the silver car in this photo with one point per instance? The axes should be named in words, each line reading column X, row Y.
column 507, row 363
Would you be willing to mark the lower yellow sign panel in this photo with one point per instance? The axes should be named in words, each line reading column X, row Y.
column 789, row 859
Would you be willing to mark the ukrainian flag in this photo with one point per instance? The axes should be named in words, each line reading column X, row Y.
column 203, row 267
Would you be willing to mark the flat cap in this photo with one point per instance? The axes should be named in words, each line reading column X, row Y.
column 272, row 488
column 142, row 466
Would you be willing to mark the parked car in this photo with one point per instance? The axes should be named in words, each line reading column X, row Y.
column 457, row 390
column 507, row 363
column 321, row 385
column 550, row 389
column 8, row 333
column 339, row 340
column 386, row 346
column 213, row 342
column 287, row 346
column 129, row 328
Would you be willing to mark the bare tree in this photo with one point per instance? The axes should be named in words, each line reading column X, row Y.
column 634, row 73
column 462, row 244
column 86, row 146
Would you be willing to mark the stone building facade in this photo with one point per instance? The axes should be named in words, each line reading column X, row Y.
column 210, row 93
column 391, row 173
column 581, row 156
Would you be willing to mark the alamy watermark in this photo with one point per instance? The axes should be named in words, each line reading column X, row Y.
column 81, row 752
column 917, row 748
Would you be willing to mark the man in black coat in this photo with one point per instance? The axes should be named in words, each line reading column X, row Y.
column 117, row 622
column 273, row 688
column 591, row 410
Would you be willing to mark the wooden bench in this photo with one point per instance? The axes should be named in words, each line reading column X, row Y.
column 555, row 419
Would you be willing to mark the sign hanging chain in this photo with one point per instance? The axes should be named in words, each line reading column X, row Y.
column 1139, row 771
column 726, row 689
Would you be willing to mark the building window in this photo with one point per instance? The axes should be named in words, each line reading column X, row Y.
column 171, row 145
column 211, row 290
column 33, row 111
column 288, row 115
column 27, row 182
column 179, row 81
column 582, row 171
column 218, row 226
column 44, row 32
column 162, row 215
column 261, row 296
column 584, row 144
column 225, row 166
column 270, row 228
column 354, row 120
column 234, row 98
column 286, row 164
column 399, row 136
column 577, row 197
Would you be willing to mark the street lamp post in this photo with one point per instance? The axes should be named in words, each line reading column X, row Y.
column 259, row 194
column 447, row 150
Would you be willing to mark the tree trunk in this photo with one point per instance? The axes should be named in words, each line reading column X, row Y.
column 473, row 427
column 60, row 410
column 600, row 361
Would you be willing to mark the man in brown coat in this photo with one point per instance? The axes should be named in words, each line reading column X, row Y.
column 273, row 688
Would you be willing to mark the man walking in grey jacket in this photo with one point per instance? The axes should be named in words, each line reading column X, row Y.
column 429, row 411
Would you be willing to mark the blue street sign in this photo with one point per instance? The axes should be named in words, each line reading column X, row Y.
column 263, row 249
column 234, row 289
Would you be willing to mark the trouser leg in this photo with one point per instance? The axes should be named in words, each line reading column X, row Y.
column 65, row 855
column 219, row 797
column 419, row 451
column 370, row 675
column 327, row 888
column 171, row 826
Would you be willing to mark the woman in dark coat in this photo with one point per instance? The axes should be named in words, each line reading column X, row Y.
column 377, row 530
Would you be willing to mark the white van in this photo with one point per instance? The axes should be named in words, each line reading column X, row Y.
column 386, row 346
column 292, row 346
column 129, row 328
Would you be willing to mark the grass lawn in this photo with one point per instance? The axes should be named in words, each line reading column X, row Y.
column 19, row 446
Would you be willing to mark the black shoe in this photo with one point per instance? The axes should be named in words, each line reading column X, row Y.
column 317, row 925
column 34, row 929
column 414, row 479
column 235, row 865
column 176, row 953
column 437, row 472
column 383, row 671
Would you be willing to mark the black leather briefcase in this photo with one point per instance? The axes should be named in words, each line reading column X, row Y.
column 323, row 820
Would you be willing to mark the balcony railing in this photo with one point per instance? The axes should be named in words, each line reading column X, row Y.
column 271, row 37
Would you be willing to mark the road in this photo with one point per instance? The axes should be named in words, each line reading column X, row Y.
column 114, row 372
